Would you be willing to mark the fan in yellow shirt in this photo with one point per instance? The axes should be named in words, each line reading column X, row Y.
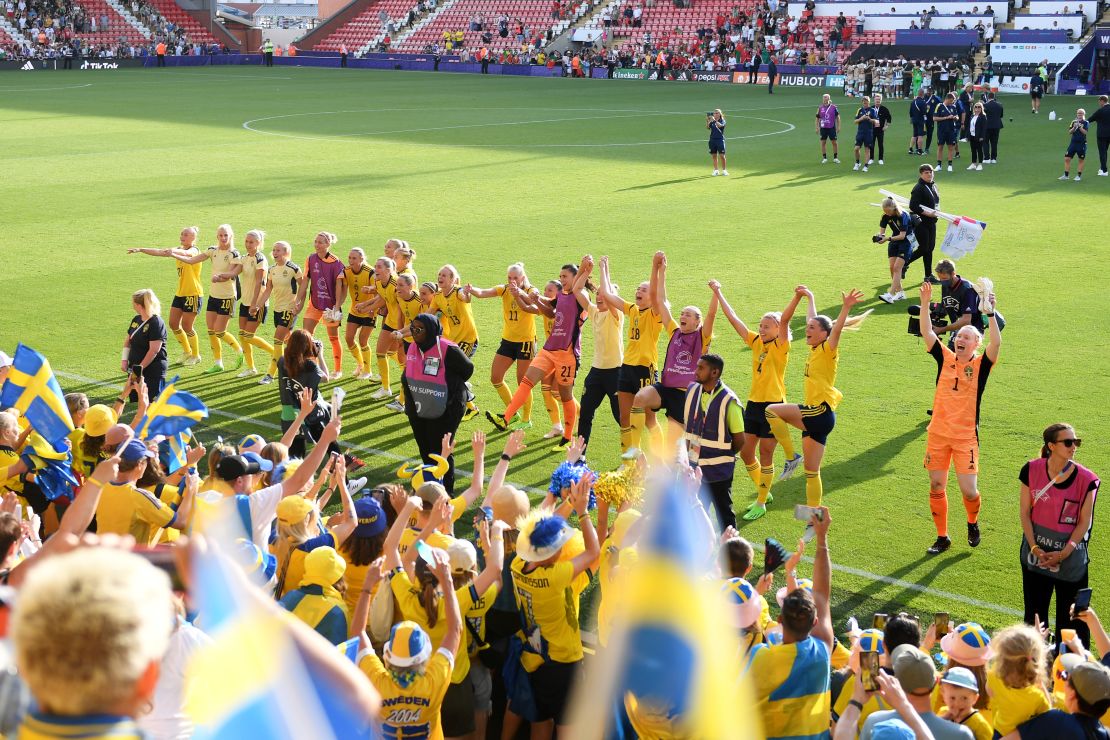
column 816, row 416
column 187, row 297
column 518, row 338
column 126, row 509
column 454, row 302
column 361, row 320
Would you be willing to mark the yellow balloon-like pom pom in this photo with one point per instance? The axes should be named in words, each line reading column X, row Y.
column 618, row 487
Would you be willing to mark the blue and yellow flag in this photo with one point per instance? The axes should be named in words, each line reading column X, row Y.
column 171, row 413
column 33, row 389
column 53, row 471
column 672, row 668
column 350, row 649
column 174, row 451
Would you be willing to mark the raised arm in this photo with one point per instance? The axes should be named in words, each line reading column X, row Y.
column 740, row 327
column 349, row 519
column 996, row 333
column 580, row 498
column 442, row 570
column 580, row 280
column 390, row 548
column 788, row 313
column 481, row 292
column 924, row 320
column 822, row 577
column 300, row 476
column 478, row 479
column 513, row 445
column 605, row 290
column 308, row 403
column 851, row 298
column 495, row 556
column 660, row 295
column 710, row 318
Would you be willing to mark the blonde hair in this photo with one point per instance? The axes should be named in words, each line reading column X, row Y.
column 407, row 279
column 230, row 234
column 289, row 536
column 524, row 283
column 195, row 230
column 406, row 250
column 87, row 627
column 891, row 203
column 8, row 422
column 258, row 234
column 361, row 252
column 1020, row 657
column 287, row 245
column 396, row 244
column 147, row 300
column 276, row 453
column 330, row 237
column 776, row 316
column 852, row 323
column 454, row 273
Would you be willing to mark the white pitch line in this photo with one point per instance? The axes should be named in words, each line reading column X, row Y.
column 43, row 89
column 946, row 595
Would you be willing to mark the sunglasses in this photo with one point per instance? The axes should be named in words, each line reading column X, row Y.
column 1070, row 442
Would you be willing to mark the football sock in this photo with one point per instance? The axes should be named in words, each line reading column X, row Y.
column 401, row 394
column 183, row 339
column 636, row 431
column 279, row 347
column 365, row 351
column 814, row 488
column 753, row 472
column 526, row 409
column 261, row 343
column 194, row 342
column 972, row 506
column 248, row 351
column 767, row 478
column 938, row 504
column 781, row 430
column 383, row 369
column 336, row 353
column 503, row 392
column 570, row 415
column 626, row 438
column 231, row 341
column 356, row 352
column 521, row 392
column 549, row 403
column 214, row 340
column 655, row 434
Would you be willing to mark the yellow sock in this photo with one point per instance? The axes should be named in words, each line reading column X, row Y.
column 636, row 431
column 401, row 394
column 551, row 404
column 655, row 437
column 262, row 344
column 503, row 392
column 366, row 354
column 753, row 472
column 814, row 489
column 781, row 430
column 383, row 369
column 766, row 478
column 194, row 343
column 183, row 339
column 231, row 341
column 248, row 351
column 526, row 409
column 214, row 340
column 279, row 347
column 357, row 354
column 626, row 439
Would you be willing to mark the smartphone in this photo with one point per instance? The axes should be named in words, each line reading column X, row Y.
column 869, row 670
column 879, row 621
column 804, row 513
column 709, row 114
column 136, row 372
column 1082, row 601
column 940, row 620
column 162, row 558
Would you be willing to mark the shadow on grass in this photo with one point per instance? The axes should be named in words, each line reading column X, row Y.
column 896, row 602
column 661, row 183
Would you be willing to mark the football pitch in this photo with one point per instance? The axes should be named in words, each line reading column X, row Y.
column 482, row 171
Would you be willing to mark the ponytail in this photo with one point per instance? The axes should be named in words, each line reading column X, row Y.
column 429, row 594
column 1049, row 435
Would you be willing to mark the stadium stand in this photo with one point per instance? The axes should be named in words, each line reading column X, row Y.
column 365, row 30
column 535, row 17
column 178, row 16
column 120, row 26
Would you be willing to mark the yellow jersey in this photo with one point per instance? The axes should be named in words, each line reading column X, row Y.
column 517, row 325
column 283, row 286
column 769, row 362
column 249, row 276
column 9, row 457
column 388, row 293
column 874, row 703
column 459, row 326
column 127, row 509
column 644, row 328
column 548, row 325
column 188, row 276
column 359, row 288
column 407, row 597
column 791, row 686
column 476, row 619
column 409, row 310
column 1012, row 707
column 41, row 726
column 820, row 374
column 353, row 578
column 547, row 601
column 412, row 711
column 435, row 539
column 222, row 261
column 607, row 326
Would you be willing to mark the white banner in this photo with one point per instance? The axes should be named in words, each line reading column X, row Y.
column 587, row 34
column 1012, row 84
column 1054, row 53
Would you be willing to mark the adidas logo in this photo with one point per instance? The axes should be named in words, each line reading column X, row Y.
column 28, row 67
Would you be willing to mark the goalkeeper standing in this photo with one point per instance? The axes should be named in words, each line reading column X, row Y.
column 326, row 289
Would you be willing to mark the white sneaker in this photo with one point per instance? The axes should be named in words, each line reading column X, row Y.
column 355, row 485
column 865, row 168
column 1063, row 177
column 900, row 296
column 362, row 376
column 247, row 372
column 381, row 394
column 824, row 160
column 631, row 453
column 870, row 162
column 556, row 431
column 979, row 167
column 886, row 298
column 716, row 172
column 195, row 359
column 335, row 375
column 880, row 161
column 395, row 406
column 790, row 466
column 836, row 160
column 855, row 167
column 949, row 168
column 971, row 166
column 724, row 172
column 1101, row 173
column 266, row 379
column 1078, row 178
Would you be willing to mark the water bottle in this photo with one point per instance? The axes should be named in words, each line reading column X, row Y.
column 1052, row 115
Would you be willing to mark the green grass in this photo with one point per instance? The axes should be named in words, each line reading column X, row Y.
column 94, row 164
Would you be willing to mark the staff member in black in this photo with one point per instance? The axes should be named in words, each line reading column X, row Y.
column 976, row 134
column 885, row 119
column 144, row 350
column 772, row 70
column 756, row 62
column 966, row 107
column 1101, row 117
column 924, row 195
column 993, row 109
column 431, row 414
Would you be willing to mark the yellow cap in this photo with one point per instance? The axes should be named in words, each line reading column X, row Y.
column 99, row 419
column 323, row 567
column 293, row 509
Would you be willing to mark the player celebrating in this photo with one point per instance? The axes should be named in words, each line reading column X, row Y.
column 518, row 338
column 408, row 300
column 283, row 283
column 828, row 126
column 360, row 320
column 385, row 285
column 326, row 289
column 252, row 312
column 187, row 297
column 866, row 120
column 816, row 417
column 954, row 429
column 1078, row 145
column 689, row 340
column 770, row 348
column 557, row 357
column 458, row 320
column 222, row 293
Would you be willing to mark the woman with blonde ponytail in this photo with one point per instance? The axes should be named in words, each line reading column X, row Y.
column 144, row 349
column 252, row 311
column 187, row 297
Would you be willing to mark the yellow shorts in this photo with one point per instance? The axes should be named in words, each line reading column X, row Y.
column 558, row 366
column 941, row 452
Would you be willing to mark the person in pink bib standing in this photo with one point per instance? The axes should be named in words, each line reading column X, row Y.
column 325, row 290
column 1057, row 509
column 434, row 381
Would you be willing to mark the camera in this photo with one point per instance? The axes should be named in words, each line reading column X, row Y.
column 936, row 315
column 877, row 238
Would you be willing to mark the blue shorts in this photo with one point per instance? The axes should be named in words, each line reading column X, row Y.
column 828, row 133
column 1077, row 150
column 818, row 422
column 901, row 248
column 716, row 147
column 946, row 136
column 918, row 128
column 865, row 139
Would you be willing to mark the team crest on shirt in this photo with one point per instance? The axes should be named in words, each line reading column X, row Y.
column 685, row 357
column 969, row 372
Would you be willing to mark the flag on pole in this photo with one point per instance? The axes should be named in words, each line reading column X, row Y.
column 172, row 412
column 174, row 451
column 33, row 390
column 962, row 236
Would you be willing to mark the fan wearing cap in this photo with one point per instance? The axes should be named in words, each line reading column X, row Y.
column 1086, row 698
column 235, row 476
column 412, row 676
column 430, row 495
column 917, row 677
column 967, row 646
column 866, row 641
column 545, row 595
column 88, row 441
column 735, row 561
column 125, row 508
column 362, row 548
column 959, row 689
column 317, row 600
column 420, row 598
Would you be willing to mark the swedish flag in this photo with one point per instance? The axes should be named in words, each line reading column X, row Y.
column 174, row 451
column 33, row 389
column 350, row 649
column 172, row 412
column 53, row 471
column 672, row 670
